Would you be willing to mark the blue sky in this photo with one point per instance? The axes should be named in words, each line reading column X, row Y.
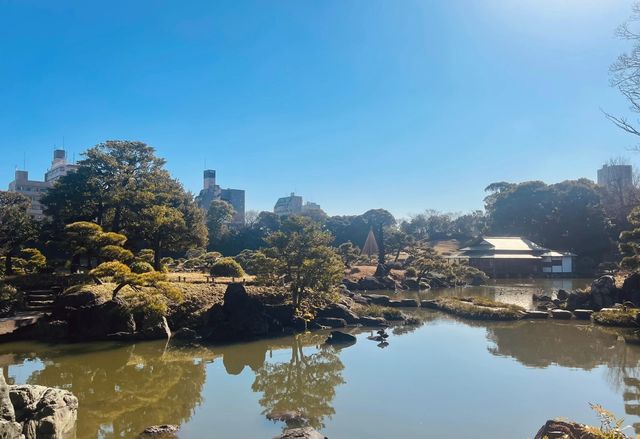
column 406, row 105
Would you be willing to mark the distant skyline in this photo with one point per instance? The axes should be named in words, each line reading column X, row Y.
column 405, row 105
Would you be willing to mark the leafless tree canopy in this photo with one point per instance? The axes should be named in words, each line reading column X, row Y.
column 625, row 72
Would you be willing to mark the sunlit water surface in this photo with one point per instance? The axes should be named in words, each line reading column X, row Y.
column 445, row 379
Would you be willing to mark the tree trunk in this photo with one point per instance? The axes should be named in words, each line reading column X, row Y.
column 8, row 264
column 381, row 256
column 397, row 255
column 156, row 258
column 117, row 290
column 75, row 264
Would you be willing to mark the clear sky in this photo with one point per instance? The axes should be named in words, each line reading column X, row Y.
column 353, row 104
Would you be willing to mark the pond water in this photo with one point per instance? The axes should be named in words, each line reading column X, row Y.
column 516, row 291
column 446, row 378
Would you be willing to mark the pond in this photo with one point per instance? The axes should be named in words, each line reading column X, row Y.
column 446, row 378
column 515, row 291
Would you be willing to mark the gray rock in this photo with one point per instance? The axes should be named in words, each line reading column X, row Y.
column 187, row 334
column 160, row 431
column 10, row 430
column 561, row 314
column 46, row 413
column 288, row 416
column 404, row 303
column 100, row 320
column 339, row 311
column 431, row 304
column 582, row 314
column 536, row 315
column 378, row 299
column 156, row 328
column 331, row 322
column 373, row 321
column 6, row 408
column 371, row 283
column 604, row 292
column 578, row 299
column 337, row 337
column 301, row 433
column 631, row 289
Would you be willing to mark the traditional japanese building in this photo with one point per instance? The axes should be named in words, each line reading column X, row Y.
column 514, row 256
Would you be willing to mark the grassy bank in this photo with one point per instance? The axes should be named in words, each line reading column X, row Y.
column 479, row 308
column 623, row 318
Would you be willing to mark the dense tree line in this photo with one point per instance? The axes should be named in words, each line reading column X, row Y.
column 123, row 190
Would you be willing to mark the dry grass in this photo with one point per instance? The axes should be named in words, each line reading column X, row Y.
column 623, row 318
column 195, row 277
column 479, row 308
column 359, row 271
column 445, row 247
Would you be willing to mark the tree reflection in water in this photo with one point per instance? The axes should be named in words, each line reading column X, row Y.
column 126, row 388
column 567, row 344
column 123, row 389
column 305, row 384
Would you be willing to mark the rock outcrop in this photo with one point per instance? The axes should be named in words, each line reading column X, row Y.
column 337, row 337
column 166, row 431
column 36, row 412
column 567, row 430
column 95, row 322
column 301, row 433
column 242, row 316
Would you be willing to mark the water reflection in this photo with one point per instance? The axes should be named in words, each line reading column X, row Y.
column 122, row 387
column 125, row 388
column 306, row 384
column 584, row 346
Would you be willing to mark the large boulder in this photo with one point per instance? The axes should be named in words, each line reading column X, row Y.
column 155, row 328
column 371, row 283
column 301, row 433
column 631, row 289
column 338, row 311
column 378, row 299
column 331, row 322
column 44, row 412
column 578, row 300
column 101, row 320
column 604, row 292
column 65, row 304
column 166, row 431
column 340, row 338
column 349, row 284
column 9, row 428
column 242, row 316
column 556, row 429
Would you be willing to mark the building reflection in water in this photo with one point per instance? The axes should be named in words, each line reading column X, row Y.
column 567, row 344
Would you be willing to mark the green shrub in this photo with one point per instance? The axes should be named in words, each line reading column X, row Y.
column 411, row 272
column 141, row 267
column 9, row 294
column 226, row 267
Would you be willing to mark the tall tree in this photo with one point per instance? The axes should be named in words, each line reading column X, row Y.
column 630, row 242
column 625, row 75
column 300, row 254
column 219, row 216
column 116, row 185
column 16, row 226
column 564, row 216
column 379, row 219
column 165, row 229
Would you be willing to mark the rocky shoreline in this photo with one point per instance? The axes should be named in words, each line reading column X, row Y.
column 241, row 315
column 36, row 412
